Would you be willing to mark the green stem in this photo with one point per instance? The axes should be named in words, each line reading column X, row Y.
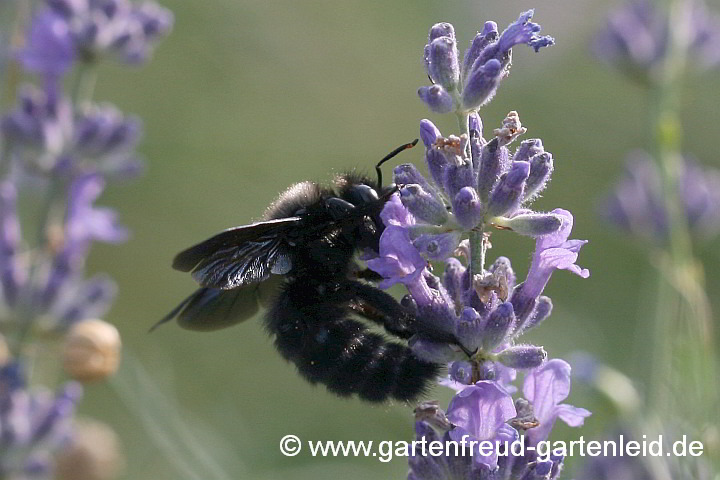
column 683, row 366
column 478, row 246
column 84, row 87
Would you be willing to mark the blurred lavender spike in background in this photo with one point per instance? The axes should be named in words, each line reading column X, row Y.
column 636, row 205
column 635, row 39
column 120, row 28
column 34, row 423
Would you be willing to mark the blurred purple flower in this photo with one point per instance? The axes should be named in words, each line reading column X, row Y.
column 635, row 39
column 49, row 50
column 40, row 127
column 120, row 27
column 84, row 224
column 545, row 387
column 637, row 204
column 33, row 424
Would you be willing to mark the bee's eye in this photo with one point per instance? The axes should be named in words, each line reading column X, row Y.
column 338, row 207
column 364, row 193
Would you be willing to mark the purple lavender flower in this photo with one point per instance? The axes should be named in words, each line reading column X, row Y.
column 34, row 424
column 480, row 412
column 552, row 252
column 636, row 39
column 84, row 224
column 121, row 28
column 473, row 317
column 637, row 204
column 49, row 50
column 49, row 137
column 477, row 310
column 38, row 131
column 467, row 87
column 545, row 387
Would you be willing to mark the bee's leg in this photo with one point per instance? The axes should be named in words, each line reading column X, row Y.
column 372, row 303
column 313, row 330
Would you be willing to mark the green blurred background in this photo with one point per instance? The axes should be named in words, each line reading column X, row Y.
column 247, row 97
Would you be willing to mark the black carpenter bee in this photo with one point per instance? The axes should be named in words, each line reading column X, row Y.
column 307, row 241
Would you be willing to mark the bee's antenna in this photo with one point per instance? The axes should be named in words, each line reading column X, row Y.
column 388, row 157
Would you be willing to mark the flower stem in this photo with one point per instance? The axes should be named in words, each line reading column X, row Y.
column 477, row 240
column 684, row 356
column 84, row 86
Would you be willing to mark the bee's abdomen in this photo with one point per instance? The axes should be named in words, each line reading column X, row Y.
column 340, row 352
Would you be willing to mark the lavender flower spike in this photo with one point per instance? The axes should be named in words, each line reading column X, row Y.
column 465, row 88
column 545, row 387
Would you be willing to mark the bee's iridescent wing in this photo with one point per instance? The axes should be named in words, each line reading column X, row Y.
column 239, row 256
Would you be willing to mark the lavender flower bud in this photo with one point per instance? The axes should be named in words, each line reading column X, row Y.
column 430, row 351
column 458, row 176
column 461, row 372
column 541, row 167
column 436, row 98
column 92, row 351
column 155, row 20
column 475, row 124
column 442, row 29
column 453, row 279
column 494, row 159
column 49, row 49
column 469, row 328
column 498, row 326
column 467, row 208
column 528, row 149
column 424, row 205
column 481, row 40
column 522, row 356
column 437, row 247
column 506, row 196
column 437, row 163
column 429, row 133
column 543, row 309
column 532, row 224
column 476, row 141
column 443, row 66
column 481, row 85
column 407, row 173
